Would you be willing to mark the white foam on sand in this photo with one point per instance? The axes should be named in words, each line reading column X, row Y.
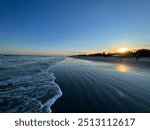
column 34, row 91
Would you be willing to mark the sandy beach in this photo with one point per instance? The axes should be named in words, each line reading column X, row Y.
column 90, row 86
column 142, row 62
column 64, row 85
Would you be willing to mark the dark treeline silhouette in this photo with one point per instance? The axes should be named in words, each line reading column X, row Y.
column 136, row 53
column 142, row 53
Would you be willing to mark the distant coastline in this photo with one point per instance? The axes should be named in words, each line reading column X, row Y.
column 143, row 62
column 139, row 58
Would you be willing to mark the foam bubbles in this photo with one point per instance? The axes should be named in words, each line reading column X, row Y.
column 29, row 87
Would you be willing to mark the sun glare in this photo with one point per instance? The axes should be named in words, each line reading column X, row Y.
column 122, row 68
column 122, row 50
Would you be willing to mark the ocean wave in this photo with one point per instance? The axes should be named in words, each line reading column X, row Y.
column 27, row 90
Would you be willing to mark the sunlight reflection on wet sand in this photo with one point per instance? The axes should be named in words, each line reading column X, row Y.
column 122, row 68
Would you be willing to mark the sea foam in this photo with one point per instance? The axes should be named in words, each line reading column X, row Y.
column 29, row 86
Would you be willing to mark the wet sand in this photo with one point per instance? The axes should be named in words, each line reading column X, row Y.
column 89, row 86
column 142, row 62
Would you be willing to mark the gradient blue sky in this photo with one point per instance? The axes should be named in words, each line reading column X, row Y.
column 73, row 26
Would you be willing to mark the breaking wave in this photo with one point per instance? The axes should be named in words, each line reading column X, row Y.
column 27, row 85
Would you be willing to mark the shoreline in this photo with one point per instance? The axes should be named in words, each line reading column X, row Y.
column 142, row 62
column 91, row 88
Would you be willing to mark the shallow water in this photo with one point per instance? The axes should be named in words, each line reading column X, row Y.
column 101, row 87
column 34, row 83
column 27, row 84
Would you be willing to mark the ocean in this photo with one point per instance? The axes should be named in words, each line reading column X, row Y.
column 41, row 84
column 27, row 83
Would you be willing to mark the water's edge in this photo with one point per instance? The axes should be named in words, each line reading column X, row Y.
column 27, row 84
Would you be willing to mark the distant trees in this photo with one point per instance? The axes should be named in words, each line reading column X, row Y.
column 142, row 53
column 137, row 54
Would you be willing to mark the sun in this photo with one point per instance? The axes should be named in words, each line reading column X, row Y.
column 122, row 50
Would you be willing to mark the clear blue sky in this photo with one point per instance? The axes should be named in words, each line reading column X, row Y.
column 72, row 26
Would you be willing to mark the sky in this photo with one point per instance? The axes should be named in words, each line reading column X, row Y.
column 66, row 27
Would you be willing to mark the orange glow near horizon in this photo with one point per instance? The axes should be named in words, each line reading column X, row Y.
column 122, row 50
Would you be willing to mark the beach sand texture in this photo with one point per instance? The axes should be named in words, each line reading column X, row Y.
column 90, row 86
